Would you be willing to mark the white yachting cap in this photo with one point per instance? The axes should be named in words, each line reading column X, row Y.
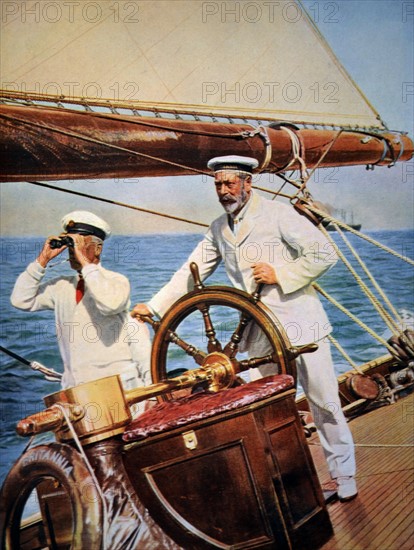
column 86, row 223
column 233, row 162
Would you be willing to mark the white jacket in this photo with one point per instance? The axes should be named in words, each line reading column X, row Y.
column 273, row 233
column 96, row 337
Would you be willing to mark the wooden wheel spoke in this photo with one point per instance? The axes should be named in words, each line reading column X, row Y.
column 213, row 343
column 189, row 349
column 221, row 308
column 255, row 362
column 232, row 347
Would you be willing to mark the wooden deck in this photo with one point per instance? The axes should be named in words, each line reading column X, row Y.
column 381, row 517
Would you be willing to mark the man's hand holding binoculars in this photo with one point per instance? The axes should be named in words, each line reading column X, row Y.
column 53, row 247
column 83, row 250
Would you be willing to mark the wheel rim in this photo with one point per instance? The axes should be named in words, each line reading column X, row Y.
column 205, row 300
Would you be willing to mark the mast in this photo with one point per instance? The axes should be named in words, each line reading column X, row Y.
column 188, row 80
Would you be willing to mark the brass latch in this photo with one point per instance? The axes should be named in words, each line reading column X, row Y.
column 190, row 440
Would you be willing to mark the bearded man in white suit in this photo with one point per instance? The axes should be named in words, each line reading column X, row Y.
column 262, row 241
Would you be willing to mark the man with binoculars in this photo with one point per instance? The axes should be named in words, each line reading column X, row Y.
column 96, row 335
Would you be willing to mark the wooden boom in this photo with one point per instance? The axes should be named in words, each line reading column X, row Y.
column 51, row 143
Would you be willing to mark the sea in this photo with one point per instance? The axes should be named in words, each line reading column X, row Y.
column 149, row 261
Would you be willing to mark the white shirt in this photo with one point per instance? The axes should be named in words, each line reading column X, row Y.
column 95, row 335
column 236, row 219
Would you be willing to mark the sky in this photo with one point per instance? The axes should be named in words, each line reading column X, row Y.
column 373, row 39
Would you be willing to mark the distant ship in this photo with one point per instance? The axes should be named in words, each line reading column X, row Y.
column 342, row 216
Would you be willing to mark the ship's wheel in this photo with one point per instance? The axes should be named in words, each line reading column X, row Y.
column 219, row 319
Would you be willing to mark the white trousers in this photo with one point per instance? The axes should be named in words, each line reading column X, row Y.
column 317, row 377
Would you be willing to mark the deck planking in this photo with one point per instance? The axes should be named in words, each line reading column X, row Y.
column 381, row 517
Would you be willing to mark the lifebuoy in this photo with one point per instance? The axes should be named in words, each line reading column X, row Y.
column 64, row 466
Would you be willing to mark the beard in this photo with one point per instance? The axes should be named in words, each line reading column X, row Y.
column 232, row 204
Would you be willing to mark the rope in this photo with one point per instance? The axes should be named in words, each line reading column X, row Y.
column 91, row 471
column 292, row 182
column 117, row 203
column 305, row 175
column 359, row 234
column 338, row 346
column 373, row 280
column 262, row 132
column 275, row 193
column 110, row 103
column 375, row 445
column 360, row 323
column 373, row 299
column 296, row 148
column 99, row 142
column 329, row 147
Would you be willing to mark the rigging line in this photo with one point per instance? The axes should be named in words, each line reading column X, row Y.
column 117, row 203
column 99, row 142
column 373, row 280
column 171, row 129
column 359, row 234
column 355, row 319
column 271, row 192
column 88, row 465
column 323, row 155
column 146, row 106
column 341, row 350
column 297, row 150
column 368, row 293
column 279, row 193
column 288, row 180
column 329, row 147
column 106, row 116
column 403, row 445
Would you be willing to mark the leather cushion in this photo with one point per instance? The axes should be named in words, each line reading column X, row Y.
column 179, row 412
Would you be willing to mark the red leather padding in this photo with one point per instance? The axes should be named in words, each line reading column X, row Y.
column 179, row 412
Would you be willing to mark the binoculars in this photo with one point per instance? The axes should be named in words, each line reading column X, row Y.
column 63, row 241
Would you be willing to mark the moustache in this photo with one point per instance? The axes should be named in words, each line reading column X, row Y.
column 226, row 199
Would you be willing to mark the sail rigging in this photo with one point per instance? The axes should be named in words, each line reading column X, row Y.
column 156, row 96
column 260, row 60
column 167, row 85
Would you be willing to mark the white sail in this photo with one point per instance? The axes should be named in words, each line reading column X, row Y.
column 260, row 59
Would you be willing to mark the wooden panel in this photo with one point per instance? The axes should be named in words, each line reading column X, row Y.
column 234, row 489
column 295, row 479
column 298, row 486
column 199, row 489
